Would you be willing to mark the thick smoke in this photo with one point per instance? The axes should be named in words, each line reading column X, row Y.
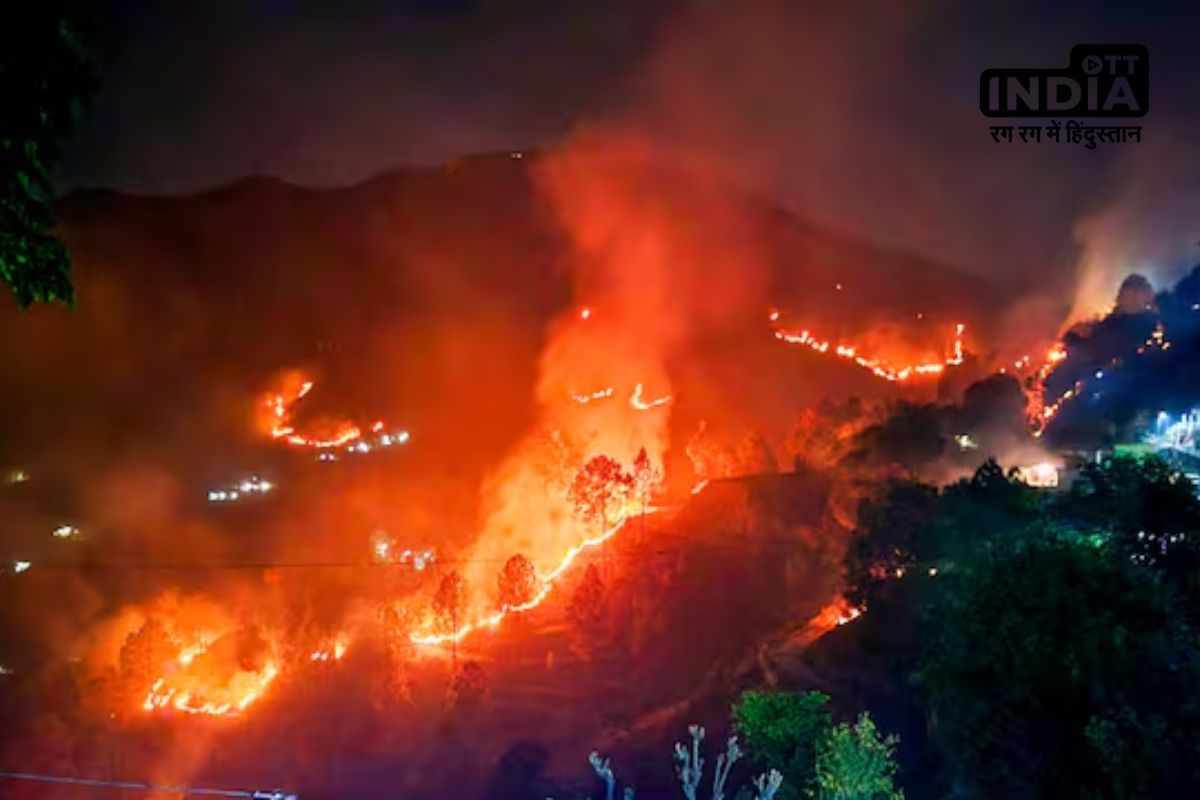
column 1151, row 228
column 869, row 123
column 656, row 268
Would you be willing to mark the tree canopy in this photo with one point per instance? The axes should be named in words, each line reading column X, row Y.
column 781, row 731
column 517, row 582
column 1053, row 634
column 46, row 81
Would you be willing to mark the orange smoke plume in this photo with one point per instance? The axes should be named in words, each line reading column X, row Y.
column 654, row 268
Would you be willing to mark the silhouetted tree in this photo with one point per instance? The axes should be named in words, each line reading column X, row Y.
column 995, row 403
column 518, row 773
column 883, row 543
column 587, row 602
column 710, row 459
column 143, row 659
column 647, row 478
column 393, row 682
column 450, row 600
column 470, row 687
column 910, row 438
column 600, row 490
column 755, row 456
column 517, row 582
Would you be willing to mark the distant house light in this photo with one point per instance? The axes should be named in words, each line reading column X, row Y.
column 1041, row 476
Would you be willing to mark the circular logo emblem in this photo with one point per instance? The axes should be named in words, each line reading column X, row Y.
column 1093, row 64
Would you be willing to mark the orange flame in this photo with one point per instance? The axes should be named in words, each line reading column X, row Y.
column 547, row 582
column 600, row 394
column 192, row 690
column 282, row 405
column 876, row 365
column 645, row 405
column 332, row 653
column 635, row 399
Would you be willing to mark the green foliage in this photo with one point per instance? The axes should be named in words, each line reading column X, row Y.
column 781, row 732
column 46, row 81
column 1126, row 495
column 1126, row 744
column 855, row 763
column 1035, row 660
column 988, row 512
column 1053, row 635
column 1147, row 513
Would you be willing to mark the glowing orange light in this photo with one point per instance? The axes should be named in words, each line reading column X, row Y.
column 636, row 399
column 644, row 405
column 547, row 583
column 281, row 409
column 333, row 653
column 877, row 366
column 192, row 692
column 599, row 394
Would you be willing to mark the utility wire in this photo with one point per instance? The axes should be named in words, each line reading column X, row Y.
column 758, row 545
column 185, row 791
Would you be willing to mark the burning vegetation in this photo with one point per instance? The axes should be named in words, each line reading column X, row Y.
column 670, row 505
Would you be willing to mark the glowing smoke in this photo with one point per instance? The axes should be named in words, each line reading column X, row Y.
column 654, row 268
column 1151, row 229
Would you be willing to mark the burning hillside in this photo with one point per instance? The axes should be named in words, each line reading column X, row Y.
column 562, row 440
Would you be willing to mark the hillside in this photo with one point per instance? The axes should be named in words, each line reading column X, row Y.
column 260, row 273
column 423, row 297
column 432, row 299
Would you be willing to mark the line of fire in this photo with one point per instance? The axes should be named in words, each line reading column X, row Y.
column 653, row 459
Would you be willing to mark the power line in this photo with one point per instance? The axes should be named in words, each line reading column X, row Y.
column 757, row 545
column 194, row 791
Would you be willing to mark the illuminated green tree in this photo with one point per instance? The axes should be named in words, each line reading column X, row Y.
column 45, row 81
column 781, row 731
column 855, row 763
column 1061, row 667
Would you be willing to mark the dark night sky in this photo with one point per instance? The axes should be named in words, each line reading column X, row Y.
column 861, row 115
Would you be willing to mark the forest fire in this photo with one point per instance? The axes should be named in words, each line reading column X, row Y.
column 599, row 394
column 1043, row 412
column 877, row 365
column 331, row 433
column 194, row 695
column 223, row 675
column 333, row 652
column 216, row 676
column 546, row 582
column 645, row 405
column 636, row 400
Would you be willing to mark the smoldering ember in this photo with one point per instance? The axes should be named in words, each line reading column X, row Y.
column 594, row 400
